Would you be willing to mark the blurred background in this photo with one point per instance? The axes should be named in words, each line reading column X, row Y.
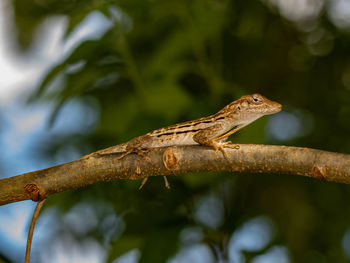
column 78, row 76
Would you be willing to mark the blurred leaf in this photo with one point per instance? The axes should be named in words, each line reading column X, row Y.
column 170, row 104
column 123, row 245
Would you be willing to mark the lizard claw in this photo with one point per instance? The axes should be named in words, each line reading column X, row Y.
column 229, row 144
column 219, row 147
column 222, row 149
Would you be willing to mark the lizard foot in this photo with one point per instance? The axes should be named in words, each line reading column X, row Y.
column 220, row 146
column 229, row 144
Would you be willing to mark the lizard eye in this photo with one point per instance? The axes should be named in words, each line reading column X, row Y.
column 238, row 108
column 257, row 99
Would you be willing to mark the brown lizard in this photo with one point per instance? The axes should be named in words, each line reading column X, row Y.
column 211, row 131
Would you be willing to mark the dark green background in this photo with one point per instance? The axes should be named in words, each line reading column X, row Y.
column 164, row 62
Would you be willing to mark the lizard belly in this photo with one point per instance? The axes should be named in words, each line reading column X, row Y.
column 181, row 139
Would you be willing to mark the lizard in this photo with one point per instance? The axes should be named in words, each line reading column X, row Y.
column 211, row 131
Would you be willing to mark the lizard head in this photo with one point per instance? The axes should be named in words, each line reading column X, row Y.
column 248, row 108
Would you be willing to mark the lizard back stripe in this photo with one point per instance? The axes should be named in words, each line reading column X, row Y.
column 189, row 124
column 170, row 133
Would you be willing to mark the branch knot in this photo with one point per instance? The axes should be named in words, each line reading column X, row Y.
column 34, row 192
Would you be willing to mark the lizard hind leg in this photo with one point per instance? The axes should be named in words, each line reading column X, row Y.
column 207, row 137
column 138, row 169
column 138, row 146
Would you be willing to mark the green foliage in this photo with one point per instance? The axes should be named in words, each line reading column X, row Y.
column 163, row 62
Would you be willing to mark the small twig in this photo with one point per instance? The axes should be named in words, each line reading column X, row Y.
column 31, row 229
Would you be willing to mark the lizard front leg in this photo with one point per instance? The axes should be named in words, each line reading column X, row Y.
column 207, row 137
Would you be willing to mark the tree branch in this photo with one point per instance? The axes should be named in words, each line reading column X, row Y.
column 31, row 230
column 251, row 158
